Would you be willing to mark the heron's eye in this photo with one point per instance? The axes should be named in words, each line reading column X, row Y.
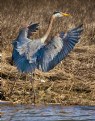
column 56, row 12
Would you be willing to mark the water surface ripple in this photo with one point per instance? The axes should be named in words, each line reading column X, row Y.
column 46, row 113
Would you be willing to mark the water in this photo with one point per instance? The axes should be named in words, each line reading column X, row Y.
column 46, row 113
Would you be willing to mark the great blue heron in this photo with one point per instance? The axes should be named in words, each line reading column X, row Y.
column 29, row 55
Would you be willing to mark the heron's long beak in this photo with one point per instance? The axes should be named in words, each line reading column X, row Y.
column 65, row 14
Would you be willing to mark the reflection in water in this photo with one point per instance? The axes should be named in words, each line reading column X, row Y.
column 46, row 113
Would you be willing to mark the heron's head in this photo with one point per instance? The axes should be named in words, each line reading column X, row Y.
column 60, row 14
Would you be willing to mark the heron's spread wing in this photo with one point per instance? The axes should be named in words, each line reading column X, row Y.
column 32, row 28
column 24, row 54
column 59, row 47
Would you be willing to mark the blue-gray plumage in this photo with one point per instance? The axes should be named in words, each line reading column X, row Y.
column 29, row 55
column 23, row 57
column 57, row 49
column 32, row 28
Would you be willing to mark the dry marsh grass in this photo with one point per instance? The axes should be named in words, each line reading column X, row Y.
column 73, row 80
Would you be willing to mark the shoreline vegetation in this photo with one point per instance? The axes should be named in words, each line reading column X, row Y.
column 72, row 82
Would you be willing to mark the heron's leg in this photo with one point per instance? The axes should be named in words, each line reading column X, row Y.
column 25, row 87
column 33, row 88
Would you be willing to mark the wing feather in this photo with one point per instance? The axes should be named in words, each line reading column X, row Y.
column 25, row 54
column 32, row 28
column 58, row 48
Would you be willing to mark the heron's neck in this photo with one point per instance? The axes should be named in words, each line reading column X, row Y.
column 43, row 39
